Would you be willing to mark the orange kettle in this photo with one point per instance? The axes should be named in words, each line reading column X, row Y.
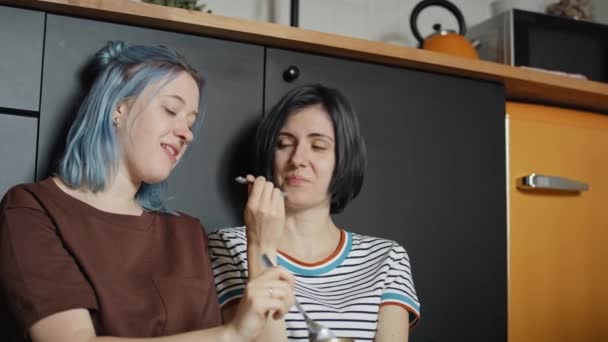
column 446, row 41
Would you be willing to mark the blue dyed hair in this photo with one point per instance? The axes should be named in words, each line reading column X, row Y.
column 92, row 153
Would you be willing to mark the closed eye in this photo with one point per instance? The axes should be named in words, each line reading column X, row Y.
column 282, row 145
column 170, row 112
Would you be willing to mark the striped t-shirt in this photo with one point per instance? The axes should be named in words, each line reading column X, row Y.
column 343, row 292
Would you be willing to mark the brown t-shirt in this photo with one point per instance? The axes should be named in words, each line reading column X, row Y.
column 139, row 276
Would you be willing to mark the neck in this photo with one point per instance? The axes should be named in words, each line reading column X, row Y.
column 310, row 235
column 118, row 197
column 122, row 189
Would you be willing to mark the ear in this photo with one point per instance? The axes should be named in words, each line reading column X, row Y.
column 121, row 111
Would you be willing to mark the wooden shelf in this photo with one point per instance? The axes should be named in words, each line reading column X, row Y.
column 520, row 84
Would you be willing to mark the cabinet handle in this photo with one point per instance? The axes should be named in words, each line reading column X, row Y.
column 291, row 73
column 536, row 181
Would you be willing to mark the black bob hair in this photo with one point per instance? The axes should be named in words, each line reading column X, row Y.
column 351, row 155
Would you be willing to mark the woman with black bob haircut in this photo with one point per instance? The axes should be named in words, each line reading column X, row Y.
column 94, row 253
column 310, row 158
column 351, row 156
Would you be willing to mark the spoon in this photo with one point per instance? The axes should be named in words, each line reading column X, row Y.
column 316, row 331
column 243, row 180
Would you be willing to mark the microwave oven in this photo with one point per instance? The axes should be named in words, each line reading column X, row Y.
column 523, row 38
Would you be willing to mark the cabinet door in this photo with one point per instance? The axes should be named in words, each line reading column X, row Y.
column 21, row 38
column 435, row 183
column 232, row 102
column 17, row 150
column 557, row 240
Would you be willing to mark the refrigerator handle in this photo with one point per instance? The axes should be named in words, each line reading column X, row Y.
column 535, row 181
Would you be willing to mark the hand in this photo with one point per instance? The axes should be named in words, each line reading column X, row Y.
column 264, row 215
column 271, row 293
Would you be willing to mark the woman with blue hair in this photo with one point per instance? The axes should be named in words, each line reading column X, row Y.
column 95, row 251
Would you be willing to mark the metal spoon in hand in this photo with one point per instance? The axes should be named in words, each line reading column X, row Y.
column 316, row 331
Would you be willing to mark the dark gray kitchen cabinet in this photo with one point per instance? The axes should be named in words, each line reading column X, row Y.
column 435, row 183
column 21, row 40
column 17, row 150
column 203, row 182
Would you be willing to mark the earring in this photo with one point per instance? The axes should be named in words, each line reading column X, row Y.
column 115, row 121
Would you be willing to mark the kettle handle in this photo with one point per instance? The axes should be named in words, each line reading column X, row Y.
column 462, row 27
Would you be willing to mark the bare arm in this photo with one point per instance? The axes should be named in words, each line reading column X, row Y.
column 265, row 222
column 393, row 324
column 76, row 325
column 275, row 328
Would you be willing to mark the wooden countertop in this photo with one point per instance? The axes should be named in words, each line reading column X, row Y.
column 520, row 84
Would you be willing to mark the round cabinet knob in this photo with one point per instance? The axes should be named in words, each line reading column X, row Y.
column 291, row 73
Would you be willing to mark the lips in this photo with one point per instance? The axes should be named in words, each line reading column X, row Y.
column 171, row 151
column 295, row 180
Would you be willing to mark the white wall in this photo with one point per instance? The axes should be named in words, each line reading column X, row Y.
column 381, row 20
column 600, row 11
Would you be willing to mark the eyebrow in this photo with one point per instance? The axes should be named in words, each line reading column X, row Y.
column 311, row 135
column 180, row 99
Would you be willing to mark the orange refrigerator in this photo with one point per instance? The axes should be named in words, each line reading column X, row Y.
column 557, row 183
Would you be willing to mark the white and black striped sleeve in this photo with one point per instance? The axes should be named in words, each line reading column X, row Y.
column 399, row 286
column 228, row 259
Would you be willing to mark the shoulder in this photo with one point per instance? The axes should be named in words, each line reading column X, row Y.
column 377, row 245
column 234, row 234
column 25, row 196
column 229, row 244
column 181, row 222
column 366, row 241
column 231, row 239
column 181, row 218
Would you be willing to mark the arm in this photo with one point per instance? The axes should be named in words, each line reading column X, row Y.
column 249, row 318
column 228, row 249
column 76, row 325
column 265, row 222
column 274, row 327
column 393, row 324
column 51, row 297
column 399, row 305
column 274, row 330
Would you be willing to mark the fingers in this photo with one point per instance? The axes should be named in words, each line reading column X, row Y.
column 257, row 188
column 267, row 192
column 277, row 272
column 260, row 190
column 272, row 296
column 265, row 198
column 283, row 275
column 273, row 289
column 264, row 220
column 277, row 307
column 277, row 200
